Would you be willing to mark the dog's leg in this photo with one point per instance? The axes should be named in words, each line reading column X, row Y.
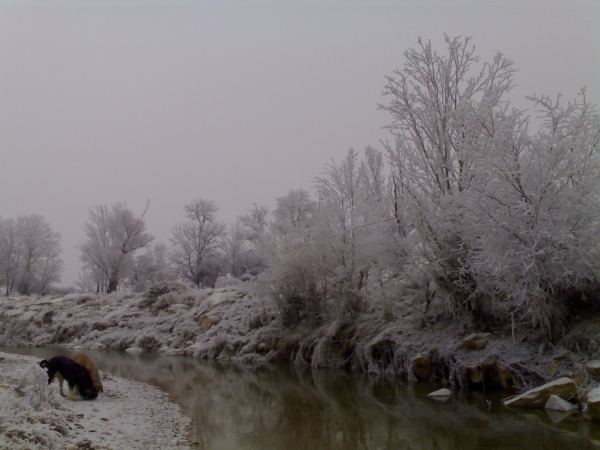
column 60, row 383
column 72, row 392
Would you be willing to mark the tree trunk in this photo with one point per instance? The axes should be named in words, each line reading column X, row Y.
column 112, row 286
column 113, row 280
column 24, row 288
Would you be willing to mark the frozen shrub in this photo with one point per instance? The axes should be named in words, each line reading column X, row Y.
column 148, row 342
column 164, row 287
column 181, row 337
column 258, row 321
column 227, row 281
column 162, row 303
column 219, row 343
column 33, row 384
column 83, row 299
column 119, row 343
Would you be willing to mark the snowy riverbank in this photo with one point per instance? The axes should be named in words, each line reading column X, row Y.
column 239, row 323
column 126, row 415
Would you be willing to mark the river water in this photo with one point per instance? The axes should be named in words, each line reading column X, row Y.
column 277, row 406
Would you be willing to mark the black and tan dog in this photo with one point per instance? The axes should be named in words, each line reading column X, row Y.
column 77, row 376
column 85, row 361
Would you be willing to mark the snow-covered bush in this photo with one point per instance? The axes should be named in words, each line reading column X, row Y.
column 164, row 287
column 504, row 220
column 148, row 342
column 227, row 281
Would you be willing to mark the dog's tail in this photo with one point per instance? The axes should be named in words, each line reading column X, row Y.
column 43, row 364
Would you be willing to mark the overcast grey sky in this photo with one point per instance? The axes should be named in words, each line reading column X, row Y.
column 232, row 101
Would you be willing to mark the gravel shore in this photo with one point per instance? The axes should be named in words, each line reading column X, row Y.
column 127, row 415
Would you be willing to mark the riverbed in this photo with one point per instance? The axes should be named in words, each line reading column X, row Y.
column 278, row 406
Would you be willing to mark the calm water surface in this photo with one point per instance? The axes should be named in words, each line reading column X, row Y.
column 237, row 406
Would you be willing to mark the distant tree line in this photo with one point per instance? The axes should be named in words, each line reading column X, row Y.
column 118, row 251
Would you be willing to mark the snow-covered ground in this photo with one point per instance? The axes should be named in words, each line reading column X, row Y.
column 127, row 415
column 204, row 323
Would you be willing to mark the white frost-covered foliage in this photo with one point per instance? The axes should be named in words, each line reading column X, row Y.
column 499, row 220
column 151, row 267
column 296, row 263
column 530, row 221
column 502, row 220
column 473, row 208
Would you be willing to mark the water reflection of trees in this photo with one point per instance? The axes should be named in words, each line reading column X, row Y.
column 282, row 407
column 235, row 406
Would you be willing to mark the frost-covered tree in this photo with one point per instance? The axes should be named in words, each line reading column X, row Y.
column 255, row 223
column 10, row 254
column 196, row 243
column 151, row 267
column 295, row 263
column 435, row 102
column 41, row 264
column 243, row 243
column 91, row 279
column 353, row 215
column 502, row 220
column 85, row 280
column 532, row 221
column 113, row 234
column 320, row 254
column 29, row 254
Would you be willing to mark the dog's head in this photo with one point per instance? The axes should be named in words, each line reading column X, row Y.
column 88, row 393
column 86, row 388
column 43, row 364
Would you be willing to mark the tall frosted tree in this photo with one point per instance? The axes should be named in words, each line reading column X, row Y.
column 10, row 254
column 435, row 102
column 296, row 265
column 352, row 220
column 29, row 254
column 242, row 248
column 113, row 234
column 320, row 253
column 196, row 243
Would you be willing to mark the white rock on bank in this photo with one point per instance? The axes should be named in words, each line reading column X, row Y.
column 97, row 346
column 476, row 341
column 441, row 393
column 593, row 403
column 538, row 397
column 555, row 403
column 174, row 352
column 593, row 367
column 134, row 349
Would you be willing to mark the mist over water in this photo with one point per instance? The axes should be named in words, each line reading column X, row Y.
column 235, row 406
